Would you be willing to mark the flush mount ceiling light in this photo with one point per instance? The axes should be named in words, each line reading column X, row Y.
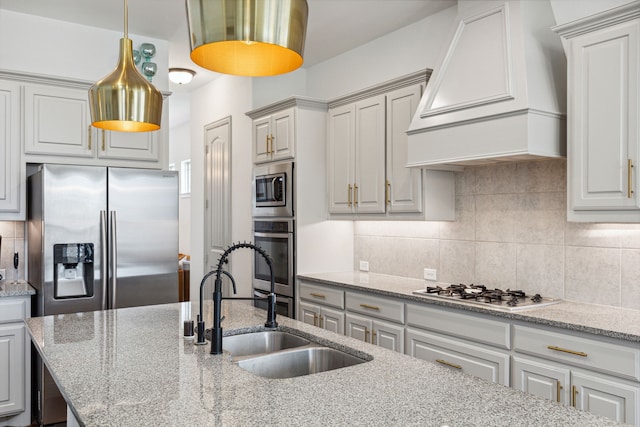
column 247, row 37
column 181, row 76
column 124, row 100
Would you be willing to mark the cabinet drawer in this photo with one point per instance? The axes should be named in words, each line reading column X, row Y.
column 375, row 306
column 490, row 365
column 465, row 326
column 604, row 357
column 322, row 294
column 12, row 310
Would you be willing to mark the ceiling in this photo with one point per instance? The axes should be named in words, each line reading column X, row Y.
column 334, row 26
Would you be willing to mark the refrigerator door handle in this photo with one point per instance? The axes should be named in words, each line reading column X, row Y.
column 113, row 257
column 104, row 273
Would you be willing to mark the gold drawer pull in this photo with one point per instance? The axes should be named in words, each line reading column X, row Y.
column 564, row 350
column 355, row 194
column 574, row 392
column 444, row 362
column 349, row 199
column 315, row 319
column 89, row 135
column 313, row 294
column 366, row 334
column 388, row 193
column 321, row 321
column 371, row 307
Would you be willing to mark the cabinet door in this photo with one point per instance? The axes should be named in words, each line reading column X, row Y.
column 541, row 379
column 358, row 327
column 488, row 364
column 143, row 146
column 12, row 369
column 283, row 135
column 261, row 139
column 603, row 112
column 388, row 335
column 309, row 314
column 341, row 158
column 609, row 398
column 57, row 121
column 11, row 172
column 369, row 186
column 332, row 320
column 404, row 185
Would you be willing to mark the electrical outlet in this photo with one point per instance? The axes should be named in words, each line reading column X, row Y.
column 3, row 274
column 430, row 274
column 364, row 265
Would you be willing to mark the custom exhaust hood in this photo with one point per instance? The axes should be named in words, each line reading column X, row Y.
column 498, row 92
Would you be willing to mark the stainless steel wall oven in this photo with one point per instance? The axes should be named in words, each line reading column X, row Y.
column 277, row 238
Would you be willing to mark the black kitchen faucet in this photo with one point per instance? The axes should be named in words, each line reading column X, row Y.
column 216, row 331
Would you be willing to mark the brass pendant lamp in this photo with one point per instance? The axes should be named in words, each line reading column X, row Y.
column 124, row 100
column 247, row 37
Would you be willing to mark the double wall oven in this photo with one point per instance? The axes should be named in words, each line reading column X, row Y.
column 274, row 231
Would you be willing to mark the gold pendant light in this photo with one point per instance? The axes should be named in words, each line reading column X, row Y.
column 247, row 37
column 124, row 100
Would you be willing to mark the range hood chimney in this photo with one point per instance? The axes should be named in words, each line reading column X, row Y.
column 498, row 92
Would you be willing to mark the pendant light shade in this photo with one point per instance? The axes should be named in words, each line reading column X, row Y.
column 124, row 100
column 247, row 37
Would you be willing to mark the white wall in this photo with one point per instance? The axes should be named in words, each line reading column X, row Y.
column 55, row 48
column 226, row 96
column 179, row 150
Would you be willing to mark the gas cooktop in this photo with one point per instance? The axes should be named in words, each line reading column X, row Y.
column 480, row 295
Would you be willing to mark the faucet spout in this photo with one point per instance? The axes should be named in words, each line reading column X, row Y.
column 216, row 332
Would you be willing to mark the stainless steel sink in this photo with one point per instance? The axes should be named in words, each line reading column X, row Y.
column 261, row 342
column 298, row 362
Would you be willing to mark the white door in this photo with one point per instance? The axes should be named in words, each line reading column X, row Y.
column 217, row 190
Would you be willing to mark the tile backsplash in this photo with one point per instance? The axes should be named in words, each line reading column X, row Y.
column 12, row 233
column 511, row 232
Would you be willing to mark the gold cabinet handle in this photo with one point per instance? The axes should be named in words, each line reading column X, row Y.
column 370, row 307
column 629, row 178
column 321, row 321
column 388, row 193
column 103, row 140
column 564, row 350
column 271, row 148
column 349, row 196
column 366, row 334
column 444, row 362
column 267, row 143
column 89, row 139
column 315, row 319
column 355, row 194
column 373, row 336
column 313, row 294
column 559, row 388
column 574, row 395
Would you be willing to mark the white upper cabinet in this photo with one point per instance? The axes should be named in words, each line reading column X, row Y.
column 274, row 136
column 57, row 129
column 57, row 121
column 404, row 185
column 603, row 52
column 12, row 190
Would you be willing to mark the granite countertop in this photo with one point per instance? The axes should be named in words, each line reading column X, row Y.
column 19, row 289
column 132, row 367
column 601, row 320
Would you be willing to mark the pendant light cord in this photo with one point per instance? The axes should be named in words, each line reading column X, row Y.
column 126, row 19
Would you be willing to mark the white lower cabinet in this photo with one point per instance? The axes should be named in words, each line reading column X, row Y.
column 590, row 375
column 383, row 334
column 322, row 317
column 491, row 365
column 15, row 356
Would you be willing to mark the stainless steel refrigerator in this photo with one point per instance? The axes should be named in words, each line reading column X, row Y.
column 99, row 238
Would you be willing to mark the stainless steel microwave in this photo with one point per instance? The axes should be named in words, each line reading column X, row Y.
column 273, row 190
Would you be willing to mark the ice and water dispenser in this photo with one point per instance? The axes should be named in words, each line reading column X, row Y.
column 73, row 270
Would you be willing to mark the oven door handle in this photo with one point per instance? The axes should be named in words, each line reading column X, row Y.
column 276, row 235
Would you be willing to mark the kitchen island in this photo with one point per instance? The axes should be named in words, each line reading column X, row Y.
column 132, row 367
